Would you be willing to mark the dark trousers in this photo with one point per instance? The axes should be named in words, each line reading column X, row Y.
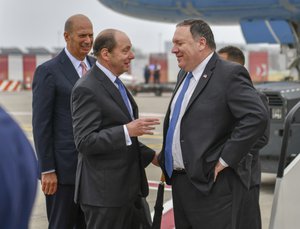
column 156, row 79
column 112, row 217
column 62, row 212
column 218, row 210
column 249, row 215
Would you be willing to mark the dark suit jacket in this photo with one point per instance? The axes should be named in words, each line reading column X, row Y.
column 224, row 118
column 18, row 174
column 52, row 122
column 109, row 173
column 249, row 168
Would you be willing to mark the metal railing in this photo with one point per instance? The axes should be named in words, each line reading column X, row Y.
column 286, row 134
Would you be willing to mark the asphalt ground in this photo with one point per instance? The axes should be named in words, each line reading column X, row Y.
column 18, row 104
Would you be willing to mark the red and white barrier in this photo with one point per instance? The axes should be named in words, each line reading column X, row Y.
column 10, row 85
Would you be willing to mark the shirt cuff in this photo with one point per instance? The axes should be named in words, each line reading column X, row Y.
column 49, row 171
column 127, row 137
column 223, row 162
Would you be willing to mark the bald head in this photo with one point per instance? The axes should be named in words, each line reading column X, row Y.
column 79, row 35
column 107, row 39
column 113, row 50
column 73, row 20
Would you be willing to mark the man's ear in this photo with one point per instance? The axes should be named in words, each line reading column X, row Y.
column 104, row 53
column 66, row 36
column 201, row 43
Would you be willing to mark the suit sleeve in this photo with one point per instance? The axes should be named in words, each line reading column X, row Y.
column 147, row 154
column 43, row 101
column 90, row 136
column 263, row 140
column 249, row 113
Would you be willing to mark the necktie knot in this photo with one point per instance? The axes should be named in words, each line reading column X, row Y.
column 189, row 76
column 83, row 68
column 118, row 82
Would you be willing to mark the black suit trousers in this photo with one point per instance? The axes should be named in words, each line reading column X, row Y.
column 217, row 210
column 62, row 212
column 124, row 217
column 249, row 215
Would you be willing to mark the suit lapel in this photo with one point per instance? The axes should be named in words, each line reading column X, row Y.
column 67, row 68
column 91, row 60
column 112, row 90
column 205, row 77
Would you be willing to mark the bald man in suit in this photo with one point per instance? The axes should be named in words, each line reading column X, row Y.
column 52, row 122
column 111, row 178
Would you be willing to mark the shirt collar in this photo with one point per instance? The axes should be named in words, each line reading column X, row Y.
column 198, row 71
column 107, row 72
column 76, row 62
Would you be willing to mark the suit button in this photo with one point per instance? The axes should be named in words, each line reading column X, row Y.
column 181, row 140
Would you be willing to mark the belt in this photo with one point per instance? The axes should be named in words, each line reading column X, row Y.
column 179, row 171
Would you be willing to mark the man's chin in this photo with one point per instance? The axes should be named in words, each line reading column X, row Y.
column 180, row 65
column 85, row 51
column 126, row 68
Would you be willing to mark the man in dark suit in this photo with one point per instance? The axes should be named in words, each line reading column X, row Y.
column 233, row 54
column 214, row 118
column 52, row 122
column 249, row 173
column 110, row 176
column 18, row 175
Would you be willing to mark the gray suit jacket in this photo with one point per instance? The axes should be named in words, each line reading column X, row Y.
column 109, row 173
column 224, row 118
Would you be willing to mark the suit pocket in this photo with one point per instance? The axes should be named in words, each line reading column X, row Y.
column 210, row 163
column 211, row 158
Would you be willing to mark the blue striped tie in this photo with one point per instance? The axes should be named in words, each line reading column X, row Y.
column 124, row 95
column 172, row 125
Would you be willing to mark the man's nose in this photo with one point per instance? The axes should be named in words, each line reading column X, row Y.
column 174, row 49
column 131, row 55
column 88, row 39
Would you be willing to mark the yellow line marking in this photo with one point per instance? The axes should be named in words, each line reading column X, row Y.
column 27, row 128
column 151, row 137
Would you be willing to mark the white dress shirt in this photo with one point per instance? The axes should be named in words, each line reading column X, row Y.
column 112, row 78
column 76, row 63
column 176, row 147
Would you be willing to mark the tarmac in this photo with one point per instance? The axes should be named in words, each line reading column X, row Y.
column 18, row 104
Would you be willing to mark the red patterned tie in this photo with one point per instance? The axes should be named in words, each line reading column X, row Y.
column 83, row 68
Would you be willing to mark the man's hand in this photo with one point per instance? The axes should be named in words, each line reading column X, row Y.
column 49, row 183
column 139, row 127
column 154, row 160
column 219, row 167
